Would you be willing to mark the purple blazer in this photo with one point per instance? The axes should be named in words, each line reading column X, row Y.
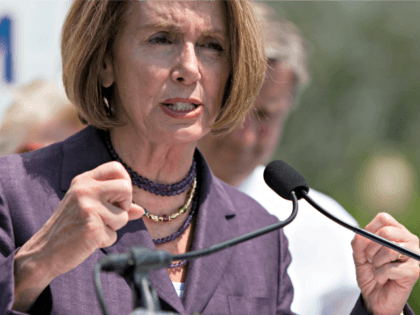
column 249, row 278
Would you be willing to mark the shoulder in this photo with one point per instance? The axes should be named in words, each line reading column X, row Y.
column 43, row 165
column 25, row 164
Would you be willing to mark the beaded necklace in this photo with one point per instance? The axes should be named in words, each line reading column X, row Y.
column 164, row 190
column 166, row 218
column 148, row 185
column 183, row 227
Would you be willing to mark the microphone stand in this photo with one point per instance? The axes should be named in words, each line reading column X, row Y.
column 134, row 267
column 143, row 291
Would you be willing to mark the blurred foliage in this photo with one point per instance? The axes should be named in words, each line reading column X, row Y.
column 364, row 97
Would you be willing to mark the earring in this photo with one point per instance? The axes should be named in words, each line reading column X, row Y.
column 110, row 110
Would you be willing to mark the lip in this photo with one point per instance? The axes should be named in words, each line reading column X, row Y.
column 182, row 100
column 182, row 115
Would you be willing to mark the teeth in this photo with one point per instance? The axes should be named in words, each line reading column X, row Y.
column 179, row 107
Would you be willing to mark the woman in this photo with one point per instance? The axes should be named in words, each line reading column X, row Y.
column 153, row 78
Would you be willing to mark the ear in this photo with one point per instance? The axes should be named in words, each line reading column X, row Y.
column 107, row 72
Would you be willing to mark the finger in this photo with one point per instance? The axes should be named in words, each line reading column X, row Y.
column 110, row 170
column 381, row 220
column 113, row 217
column 110, row 237
column 118, row 192
column 406, row 273
column 116, row 218
column 391, row 233
column 386, row 255
column 135, row 212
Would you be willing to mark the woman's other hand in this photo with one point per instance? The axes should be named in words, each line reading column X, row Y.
column 385, row 281
column 98, row 203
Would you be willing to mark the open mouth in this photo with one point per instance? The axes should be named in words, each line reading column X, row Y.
column 181, row 107
column 182, row 110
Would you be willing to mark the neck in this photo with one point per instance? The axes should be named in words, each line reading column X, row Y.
column 165, row 163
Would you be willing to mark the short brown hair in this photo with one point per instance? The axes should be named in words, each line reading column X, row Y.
column 89, row 33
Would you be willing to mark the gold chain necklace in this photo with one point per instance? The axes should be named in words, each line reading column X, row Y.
column 166, row 218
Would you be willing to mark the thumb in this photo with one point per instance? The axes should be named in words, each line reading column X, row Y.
column 135, row 212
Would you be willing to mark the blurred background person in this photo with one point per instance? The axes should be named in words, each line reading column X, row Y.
column 322, row 269
column 361, row 108
column 40, row 115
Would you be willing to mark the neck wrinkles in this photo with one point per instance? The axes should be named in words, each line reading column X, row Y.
column 165, row 163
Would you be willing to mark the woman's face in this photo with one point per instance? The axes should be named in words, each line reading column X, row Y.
column 169, row 68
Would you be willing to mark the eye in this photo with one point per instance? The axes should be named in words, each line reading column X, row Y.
column 213, row 45
column 262, row 115
column 160, row 39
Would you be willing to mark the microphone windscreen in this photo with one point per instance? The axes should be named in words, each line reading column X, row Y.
column 283, row 179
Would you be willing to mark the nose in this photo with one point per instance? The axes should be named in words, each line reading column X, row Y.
column 247, row 134
column 186, row 70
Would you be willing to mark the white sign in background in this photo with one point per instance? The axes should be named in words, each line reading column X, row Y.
column 34, row 34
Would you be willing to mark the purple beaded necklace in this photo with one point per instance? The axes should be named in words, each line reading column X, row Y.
column 148, row 185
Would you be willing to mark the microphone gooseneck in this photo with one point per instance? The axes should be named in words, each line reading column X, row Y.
column 283, row 178
column 240, row 239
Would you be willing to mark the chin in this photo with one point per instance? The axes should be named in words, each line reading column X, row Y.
column 187, row 135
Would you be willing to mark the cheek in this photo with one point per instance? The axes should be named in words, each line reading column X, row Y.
column 141, row 75
column 139, row 81
column 214, row 77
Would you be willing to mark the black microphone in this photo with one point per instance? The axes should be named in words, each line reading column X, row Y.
column 282, row 178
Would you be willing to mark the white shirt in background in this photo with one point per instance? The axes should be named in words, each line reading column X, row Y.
column 322, row 269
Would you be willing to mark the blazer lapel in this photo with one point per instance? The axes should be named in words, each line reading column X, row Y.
column 215, row 224
column 86, row 151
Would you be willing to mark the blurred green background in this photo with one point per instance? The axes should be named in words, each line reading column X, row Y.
column 356, row 131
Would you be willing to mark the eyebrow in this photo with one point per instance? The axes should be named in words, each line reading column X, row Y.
column 165, row 25
column 174, row 28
